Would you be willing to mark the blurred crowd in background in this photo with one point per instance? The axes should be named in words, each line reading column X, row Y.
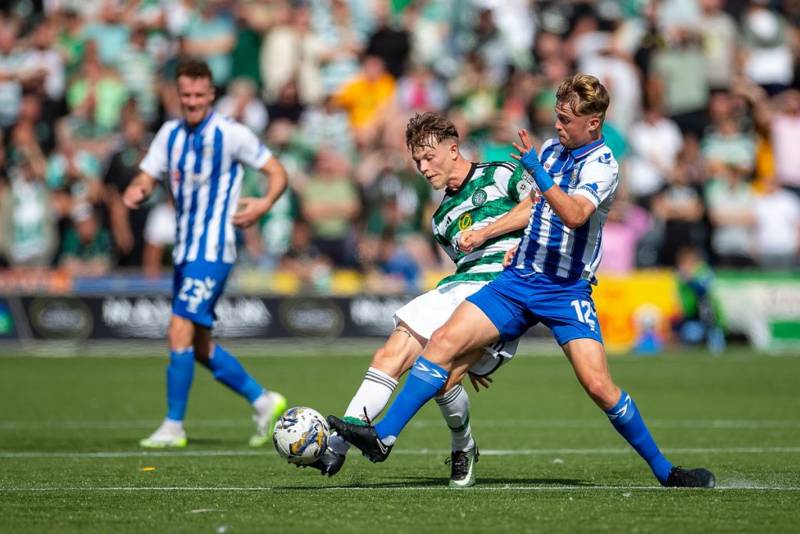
column 704, row 118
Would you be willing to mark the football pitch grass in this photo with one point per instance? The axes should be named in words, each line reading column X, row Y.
column 69, row 459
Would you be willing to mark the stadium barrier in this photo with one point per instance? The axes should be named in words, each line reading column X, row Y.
column 763, row 307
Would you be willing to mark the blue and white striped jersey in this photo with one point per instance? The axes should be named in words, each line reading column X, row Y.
column 551, row 247
column 204, row 167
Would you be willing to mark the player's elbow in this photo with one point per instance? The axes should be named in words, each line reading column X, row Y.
column 575, row 221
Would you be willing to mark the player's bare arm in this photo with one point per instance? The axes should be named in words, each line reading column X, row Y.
column 516, row 219
column 138, row 190
column 573, row 211
column 251, row 209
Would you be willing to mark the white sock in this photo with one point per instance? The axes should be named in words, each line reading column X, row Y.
column 371, row 398
column 171, row 426
column 455, row 408
column 262, row 403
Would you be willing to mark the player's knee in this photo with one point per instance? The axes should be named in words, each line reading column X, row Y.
column 443, row 343
column 387, row 361
column 601, row 390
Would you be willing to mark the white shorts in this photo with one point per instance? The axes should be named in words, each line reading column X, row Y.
column 431, row 310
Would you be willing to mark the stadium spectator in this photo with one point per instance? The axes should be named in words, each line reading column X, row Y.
column 211, row 36
column 678, row 208
column 389, row 41
column 27, row 221
column 86, row 247
column 767, row 51
column 306, row 260
column 137, row 69
column 368, row 98
column 127, row 226
column 655, row 143
column 720, row 44
column 97, row 95
column 777, row 228
column 159, row 238
column 241, row 104
column 421, row 90
column 11, row 60
column 330, row 204
column 79, row 77
column 700, row 319
column 287, row 106
column 730, row 203
column 292, row 49
column 679, row 74
column 626, row 225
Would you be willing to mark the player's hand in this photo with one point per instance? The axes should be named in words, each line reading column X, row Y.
column 249, row 211
column 480, row 381
column 527, row 153
column 509, row 256
column 469, row 240
column 133, row 196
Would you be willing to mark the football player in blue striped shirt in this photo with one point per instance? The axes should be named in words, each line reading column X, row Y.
column 201, row 157
column 548, row 280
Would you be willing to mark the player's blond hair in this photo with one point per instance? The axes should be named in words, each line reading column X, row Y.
column 585, row 95
column 429, row 129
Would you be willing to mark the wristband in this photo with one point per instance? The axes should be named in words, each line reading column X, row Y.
column 530, row 162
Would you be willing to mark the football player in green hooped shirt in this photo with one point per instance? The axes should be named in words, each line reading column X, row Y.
column 481, row 217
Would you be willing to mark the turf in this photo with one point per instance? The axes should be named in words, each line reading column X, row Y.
column 551, row 461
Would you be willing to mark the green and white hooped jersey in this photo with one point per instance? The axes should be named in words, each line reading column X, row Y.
column 490, row 191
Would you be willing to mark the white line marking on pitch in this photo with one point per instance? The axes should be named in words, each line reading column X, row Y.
column 505, row 487
column 410, row 452
column 703, row 424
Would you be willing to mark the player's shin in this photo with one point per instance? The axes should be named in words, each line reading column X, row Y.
column 180, row 373
column 227, row 369
column 369, row 401
column 454, row 406
column 628, row 421
column 424, row 380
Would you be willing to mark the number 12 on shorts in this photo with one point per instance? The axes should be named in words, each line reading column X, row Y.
column 585, row 311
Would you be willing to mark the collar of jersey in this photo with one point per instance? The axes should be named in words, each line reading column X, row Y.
column 584, row 150
column 200, row 125
column 472, row 167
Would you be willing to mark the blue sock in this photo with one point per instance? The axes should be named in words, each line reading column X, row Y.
column 180, row 372
column 227, row 369
column 424, row 381
column 626, row 419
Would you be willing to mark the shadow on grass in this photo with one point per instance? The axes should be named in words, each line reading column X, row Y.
column 441, row 482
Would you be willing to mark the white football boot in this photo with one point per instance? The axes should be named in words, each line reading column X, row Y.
column 268, row 407
column 169, row 435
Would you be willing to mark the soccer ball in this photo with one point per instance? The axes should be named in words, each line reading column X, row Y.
column 301, row 435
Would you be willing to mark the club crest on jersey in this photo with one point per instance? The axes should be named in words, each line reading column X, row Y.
column 605, row 158
column 465, row 221
column 524, row 187
column 479, row 198
column 573, row 179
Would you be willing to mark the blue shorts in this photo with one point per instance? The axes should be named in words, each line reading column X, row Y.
column 515, row 301
column 196, row 287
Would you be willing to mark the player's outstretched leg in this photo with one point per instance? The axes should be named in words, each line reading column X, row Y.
column 628, row 422
column 267, row 405
column 424, row 380
column 370, row 399
column 363, row 436
column 180, row 372
column 454, row 405
column 591, row 367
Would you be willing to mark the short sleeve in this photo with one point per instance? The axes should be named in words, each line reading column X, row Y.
column 155, row 161
column 598, row 178
column 248, row 149
column 520, row 185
